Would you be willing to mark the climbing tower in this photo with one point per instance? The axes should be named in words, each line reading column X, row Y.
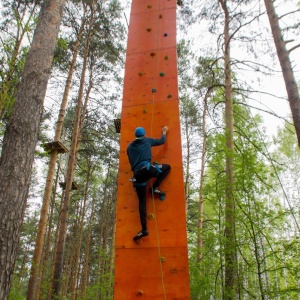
column 158, row 267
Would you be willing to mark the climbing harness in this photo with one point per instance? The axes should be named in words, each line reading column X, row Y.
column 143, row 165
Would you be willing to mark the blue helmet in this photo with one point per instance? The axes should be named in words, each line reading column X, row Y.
column 139, row 132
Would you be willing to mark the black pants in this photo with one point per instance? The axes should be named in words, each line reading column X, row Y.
column 142, row 176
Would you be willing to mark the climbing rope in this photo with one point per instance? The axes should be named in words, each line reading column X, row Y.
column 151, row 132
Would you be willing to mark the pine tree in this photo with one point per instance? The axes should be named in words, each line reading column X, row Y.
column 21, row 137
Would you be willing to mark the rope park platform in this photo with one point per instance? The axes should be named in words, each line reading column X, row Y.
column 158, row 267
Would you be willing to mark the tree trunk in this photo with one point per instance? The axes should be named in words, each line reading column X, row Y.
column 85, row 267
column 21, row 137
column 202, row 172
column 50, row 290
column 286, row 66
column 230, row 258
column 46, row 253
column 70, row 173
column 187, row 166
column 49, row 182
column 79, row 239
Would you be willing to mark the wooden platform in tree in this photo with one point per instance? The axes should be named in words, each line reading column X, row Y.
column 74, row 185
column 58, row 146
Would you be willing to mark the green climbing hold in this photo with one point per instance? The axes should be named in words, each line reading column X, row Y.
column 140, row 74
column 162, row 74
column 166, row 57
column 169, row 96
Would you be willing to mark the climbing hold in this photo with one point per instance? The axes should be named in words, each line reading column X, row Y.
column 152, row 54
column 153, row 90
column 139, row 293
column 166, row 57
column 161, row 74
column 151, row 216
column 162, row 259
column 165, row 34
column 138, row 242
column 149, row 6
column 169, row 96
column 149, row 29
column 160, row 16
column 144, row 111
column 140, row 74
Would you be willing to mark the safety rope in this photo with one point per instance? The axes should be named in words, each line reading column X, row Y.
column 152, row 194
column 159, row 250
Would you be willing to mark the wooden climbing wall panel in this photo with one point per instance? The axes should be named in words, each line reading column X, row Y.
column 158, row 267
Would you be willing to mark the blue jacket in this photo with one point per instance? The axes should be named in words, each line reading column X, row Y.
column 139, row 151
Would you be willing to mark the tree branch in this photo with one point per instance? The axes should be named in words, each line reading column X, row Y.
column 289, row 13
column 293, row 48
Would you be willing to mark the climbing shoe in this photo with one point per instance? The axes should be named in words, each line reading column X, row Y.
column 157, row 191
column 141, row 234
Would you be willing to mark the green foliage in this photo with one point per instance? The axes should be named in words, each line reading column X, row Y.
column 62, row 54
column 267, row 247
column 18, row 290
column 10, row 76
column 17, row 22
column 260, row 219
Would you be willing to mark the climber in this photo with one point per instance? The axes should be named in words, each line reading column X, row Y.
column 140, row 155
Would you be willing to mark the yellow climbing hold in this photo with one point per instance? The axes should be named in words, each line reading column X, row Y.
column 151, row 216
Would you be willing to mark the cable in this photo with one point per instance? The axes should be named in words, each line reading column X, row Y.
column 153, row 202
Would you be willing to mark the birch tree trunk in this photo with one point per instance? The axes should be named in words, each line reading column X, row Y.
column 286, row 66
column 21, row 137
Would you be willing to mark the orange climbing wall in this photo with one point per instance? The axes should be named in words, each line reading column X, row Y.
column 157, row 268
